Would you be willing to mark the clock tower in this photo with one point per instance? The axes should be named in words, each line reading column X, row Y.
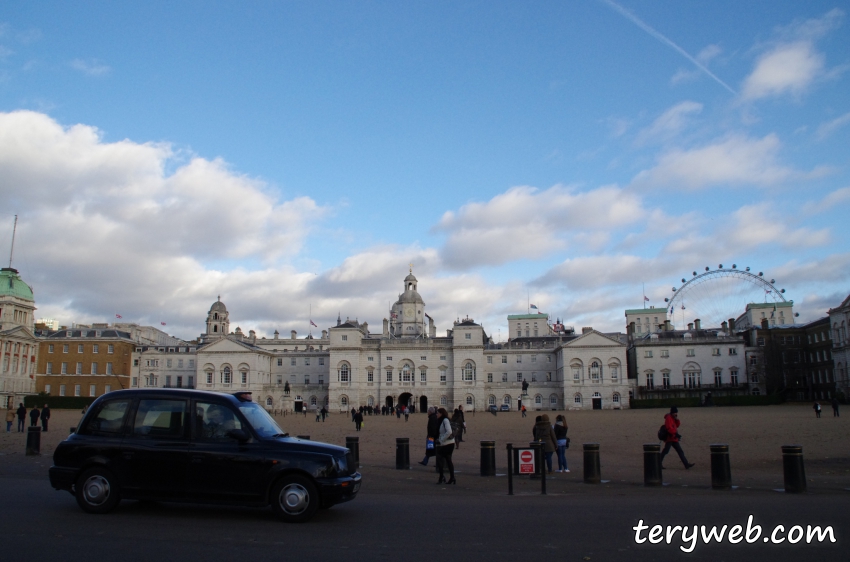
column 407, row 315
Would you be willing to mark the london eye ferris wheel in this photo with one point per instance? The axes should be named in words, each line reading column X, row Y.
column 715, row 295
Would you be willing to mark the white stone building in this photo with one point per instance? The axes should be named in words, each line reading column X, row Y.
column 407, row 363
column 18, row 343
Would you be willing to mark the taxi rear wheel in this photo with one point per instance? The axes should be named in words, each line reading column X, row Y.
column 295, row 499
column 97, row 491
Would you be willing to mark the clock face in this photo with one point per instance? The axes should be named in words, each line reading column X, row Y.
column 408, row 313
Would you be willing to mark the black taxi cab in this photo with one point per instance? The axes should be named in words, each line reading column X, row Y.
column 195, row 446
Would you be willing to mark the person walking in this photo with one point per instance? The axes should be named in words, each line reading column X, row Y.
column 10, row 417
column 406, row 413
column 835, row 407
column 432, row 434
column 817, row 409
column 358, row 420
column 544, row 433
column 445, row 448
column 458, row 426
column 318, row 415
column 34, row 415
column 45, row 417
column 561, row 442
column 22, row 416
column 671, row 424
column 324, row 413
column 523, row 410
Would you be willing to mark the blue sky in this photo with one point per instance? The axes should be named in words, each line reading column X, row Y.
column 285, row 155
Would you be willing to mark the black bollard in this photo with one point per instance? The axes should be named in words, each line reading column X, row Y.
column 402, row 453
column 510, row 448
column 721, row 472
column 592, row 472
column 305, row 437
column 353, row 445
column 488, row 458
column 652, row 464
column 34, row 440
column 792, row 466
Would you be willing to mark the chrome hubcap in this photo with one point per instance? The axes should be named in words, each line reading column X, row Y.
column 96, row 490
column 294, row 498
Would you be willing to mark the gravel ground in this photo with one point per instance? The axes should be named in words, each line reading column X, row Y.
column 754, row 435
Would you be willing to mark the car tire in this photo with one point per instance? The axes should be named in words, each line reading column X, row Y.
column 97, row 491
column 295, row 499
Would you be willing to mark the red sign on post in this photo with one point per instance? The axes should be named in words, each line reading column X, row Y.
column 526, row 461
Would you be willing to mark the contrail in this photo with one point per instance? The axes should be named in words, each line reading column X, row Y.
column 634, row 19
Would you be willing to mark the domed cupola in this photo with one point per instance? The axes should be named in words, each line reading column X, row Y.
column 407, row 315
column 17, row 303
column 218, row 321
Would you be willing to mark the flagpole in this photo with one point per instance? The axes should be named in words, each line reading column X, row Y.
column 643, row 289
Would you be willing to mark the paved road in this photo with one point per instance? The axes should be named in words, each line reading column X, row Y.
column 592, row 524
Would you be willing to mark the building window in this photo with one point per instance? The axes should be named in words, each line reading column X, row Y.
column 491, row 400
column 615, row 373
column 647, row 353
column 343, row 401
column 110, row 348
column 754, row 360
column 507, row 399
column 306, row 361
column 504, row 358
column 733, row 351
column 576, row 373
column 490, row 359
column 754, row 378
column 61, row 390
column 343, row 373
column 50, row 368
column 65, row 348
column 244, row 377
column 389, row 375
column 64, row 369
column 321, row 361
column 168, row 363
column 665, row 379
column 306, row 379
column 504, row 377
column 718, row 378
column 538, row 400
column 733, row 377
column 553, row 400
column 79, row 348
column 50, row 348
column 209, row 377
column 519, row 377
column 344, row 337
column 577, row 399
column 226, row 373
column 370, row 375
column 595, row 371
column 292, row 362
column 77, row 389
column 519, row 358
column 443, row 401
column 691, row 379
column 468, row 372
column 469, row 400
column 279, row 362
column 79, row 368
column 47, row 389
column 95, row 348
column 94, row 368
column 423, row 375
column 489, row 377
column 716, row 351
column 534, row 376
column 389, row 358
column 370, row 359
column 690, row 353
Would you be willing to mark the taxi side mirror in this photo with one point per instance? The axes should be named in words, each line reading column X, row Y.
column 238, row 434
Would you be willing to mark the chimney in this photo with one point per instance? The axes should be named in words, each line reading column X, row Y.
column 667, row 326
column 690, row 326
column 276, row 334
column 697, row 324
column 253, row 335
column 324, row 334
column 292, row 334
column 724, row 326
column 432, row 329
column 765, row 324
column 586, row 329
column 365, row 327
column 731, row 324
column 386, row 327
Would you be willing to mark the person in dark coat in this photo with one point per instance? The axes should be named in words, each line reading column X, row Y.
column 445, row 447
column 358, row 420
column 816, row 408
column 835, row 407
column 34, row 415
column 544, row 433
column 671, row 422
column 433, row 433
column 22, row 417
column 561, row 440
column 45, row 416
column 324, row 413
column 458, row 425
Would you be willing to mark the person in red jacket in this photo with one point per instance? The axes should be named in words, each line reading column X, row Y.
column 671, row 422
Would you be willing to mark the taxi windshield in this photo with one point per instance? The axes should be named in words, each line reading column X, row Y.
column 260, row 420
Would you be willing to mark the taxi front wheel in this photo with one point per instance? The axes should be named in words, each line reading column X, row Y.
column 97, row 491
column 295, row 499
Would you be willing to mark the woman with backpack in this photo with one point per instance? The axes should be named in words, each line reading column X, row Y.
column 544, row 433
column 445, row 447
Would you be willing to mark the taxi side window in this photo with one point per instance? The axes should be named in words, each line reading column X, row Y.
column 108, row 420
column 160, row 419
column 213, row 421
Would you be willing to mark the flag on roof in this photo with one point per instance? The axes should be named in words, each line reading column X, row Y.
column 534, row 306
column 118, row 316
column 313, row 323
column 163, row 323
column 683, row 307
column 646, row 298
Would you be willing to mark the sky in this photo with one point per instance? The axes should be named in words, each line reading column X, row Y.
column 295, row 157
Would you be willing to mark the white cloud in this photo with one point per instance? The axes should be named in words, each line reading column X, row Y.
column 103, row 225
column 527, row 223
column 708, row 52
column 670, row 123
column 733, row 160
column 92, row 67
column 832, row 201
column 791, row 64
column 827, row 128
